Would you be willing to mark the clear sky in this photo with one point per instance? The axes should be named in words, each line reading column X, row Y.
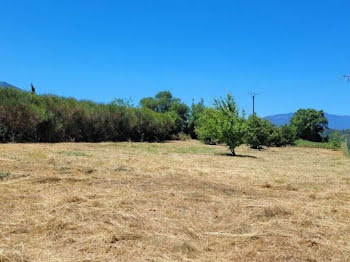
column 291, row 52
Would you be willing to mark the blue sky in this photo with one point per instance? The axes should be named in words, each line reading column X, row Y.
column 291, row 52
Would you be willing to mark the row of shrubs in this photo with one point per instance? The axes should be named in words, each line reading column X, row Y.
column 26, row 117
column 224, row 124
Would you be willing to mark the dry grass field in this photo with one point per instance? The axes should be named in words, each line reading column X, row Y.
column 174, row 201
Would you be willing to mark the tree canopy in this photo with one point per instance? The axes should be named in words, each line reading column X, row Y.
column 222, row 124
column 258, row 131
column 309, row 124
column 164, row 102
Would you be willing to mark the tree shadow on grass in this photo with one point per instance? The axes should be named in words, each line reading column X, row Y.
column 237, row 155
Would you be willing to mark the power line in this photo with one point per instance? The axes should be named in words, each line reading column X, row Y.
column 346, row 77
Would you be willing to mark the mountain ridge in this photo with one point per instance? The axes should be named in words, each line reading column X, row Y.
column 7, row 85
column 339, row 122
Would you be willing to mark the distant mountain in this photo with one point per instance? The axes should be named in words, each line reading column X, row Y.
column 7, row 85
column 334, row 121
column 280, row 119
column 4, row 84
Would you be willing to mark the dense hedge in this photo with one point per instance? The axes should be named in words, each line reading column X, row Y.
column 26, row 117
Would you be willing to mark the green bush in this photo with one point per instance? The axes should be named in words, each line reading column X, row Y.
column 335, row 140
column 311, row 144
column 25, row 117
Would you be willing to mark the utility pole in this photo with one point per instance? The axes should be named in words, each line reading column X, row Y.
column 33, row 88
column 253, row 96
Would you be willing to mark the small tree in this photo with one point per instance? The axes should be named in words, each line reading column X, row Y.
column 222, row 124
column 309, row 124
column 335, row 139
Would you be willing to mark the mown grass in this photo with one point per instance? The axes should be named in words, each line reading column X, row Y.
column 168, row 148
column 74, row 153
column 345, row 147
column 173, row 201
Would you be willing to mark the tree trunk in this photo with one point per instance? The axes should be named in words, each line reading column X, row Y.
column 233, row 151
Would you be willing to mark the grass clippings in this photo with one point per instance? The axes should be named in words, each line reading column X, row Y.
column 173, row 201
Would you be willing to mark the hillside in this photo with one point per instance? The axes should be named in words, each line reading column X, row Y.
column 338, row 122
column 4, row 84
column 7, row 85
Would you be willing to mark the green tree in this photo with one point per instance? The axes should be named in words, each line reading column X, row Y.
column 196, row 111
column 160, row 103
column 282, row 136
column 258, row 132
column 222, row 124
column 123, row 102
column 207, row 129
column 164, row 102
column 288, row 135
column 309, row 124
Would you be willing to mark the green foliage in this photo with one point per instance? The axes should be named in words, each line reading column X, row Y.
column 25, row 117
column 343, row 133
column 207, row 129
column 335, row 140
column 311, row 144
column 164, row 102
column 123, row 102
column 258, row 132
column 19, row 111
column 196, row 111
column 309, row 124
column 222, row 124
column 261, row 132
column 339, row 139
column 282, row 136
